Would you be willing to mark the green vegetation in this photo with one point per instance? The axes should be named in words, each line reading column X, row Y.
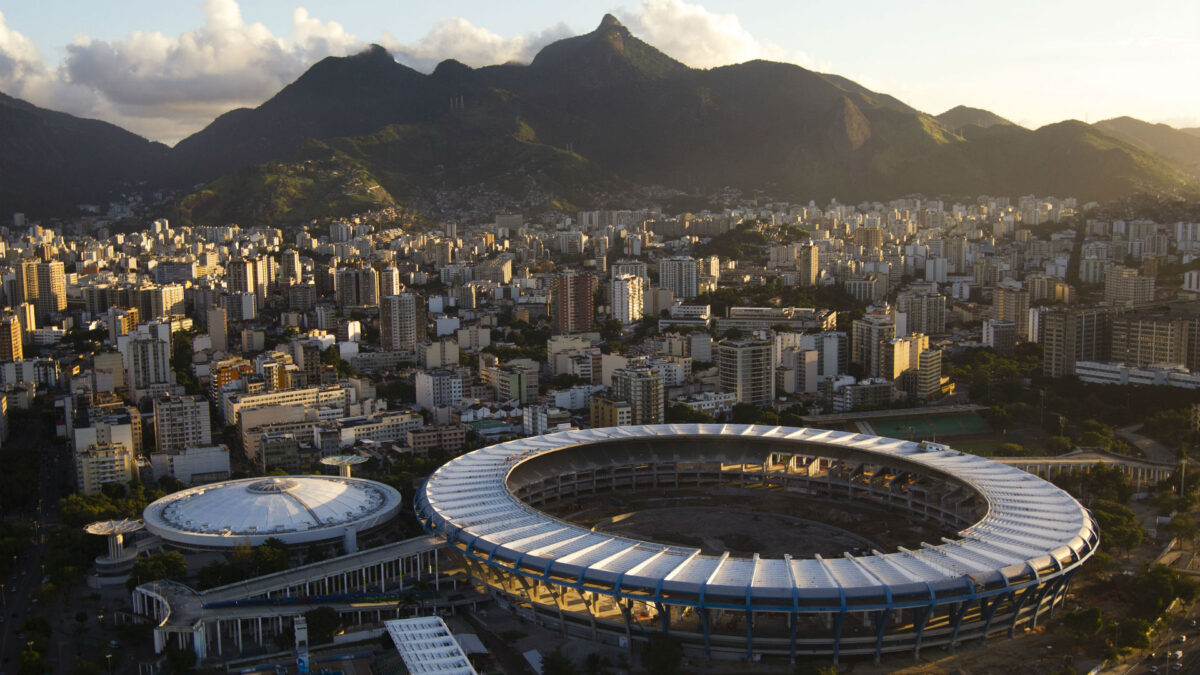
column 679, row 413
column 168, row 565
column 114, row 502
column 332, row 357
column 285, row 193
column 323, row 624
column 662, row 654
column 246, row 563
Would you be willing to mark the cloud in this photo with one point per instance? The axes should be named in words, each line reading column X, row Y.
column 164, row 86
column 473, row 45
column 700, row 38
column 21, row 63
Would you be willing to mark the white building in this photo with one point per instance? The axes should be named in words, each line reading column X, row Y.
column 627, row 292
column 1160, row 375
column 193, row 466
column 679, row 275
column 181, row 422
column 437, row 389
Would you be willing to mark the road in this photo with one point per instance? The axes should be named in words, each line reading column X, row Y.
column 17, row 603
column 1154, row 451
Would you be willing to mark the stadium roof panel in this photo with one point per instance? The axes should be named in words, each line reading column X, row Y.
column 469, row 499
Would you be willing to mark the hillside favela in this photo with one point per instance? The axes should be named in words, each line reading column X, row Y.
column 582, row 339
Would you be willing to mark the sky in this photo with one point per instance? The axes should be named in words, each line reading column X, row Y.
column 166, row 69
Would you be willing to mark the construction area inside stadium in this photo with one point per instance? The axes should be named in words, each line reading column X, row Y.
column 758, row 542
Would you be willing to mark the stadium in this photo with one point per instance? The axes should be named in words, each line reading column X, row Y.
column 297, row 510
column 1005, row 543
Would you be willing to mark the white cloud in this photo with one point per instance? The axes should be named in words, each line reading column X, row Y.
column 700, row 38
column 473, row 45
column 164, row 86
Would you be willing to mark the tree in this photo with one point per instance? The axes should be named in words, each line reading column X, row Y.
column 745, row 413
column 611, row 329
column 168, row 565
column 1182, row 526
column 680, row 413
column 1133, row 633
column 663, row 654
column 1121, row 528
column 323, row 624
column 1085, row 624
column 557, row 663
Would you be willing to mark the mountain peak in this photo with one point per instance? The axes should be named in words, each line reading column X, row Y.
column 961, row 116
column 610, row 21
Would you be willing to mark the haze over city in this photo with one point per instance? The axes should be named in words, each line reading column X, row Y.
column 164, row 70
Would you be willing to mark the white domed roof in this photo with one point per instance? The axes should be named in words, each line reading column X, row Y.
column 295, row 509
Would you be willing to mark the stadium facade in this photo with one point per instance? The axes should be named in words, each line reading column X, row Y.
column 1018, row 541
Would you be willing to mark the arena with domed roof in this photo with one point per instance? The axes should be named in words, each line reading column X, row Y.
column 297, row 510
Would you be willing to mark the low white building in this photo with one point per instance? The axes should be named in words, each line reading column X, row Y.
column 1159, row 375
column 192, row 466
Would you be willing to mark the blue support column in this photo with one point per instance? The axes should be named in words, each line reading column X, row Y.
column 838, row 621
column 707, row 637
column 1012, row 625
column 1048, row 588
column 749, row 634
column 989, row 611
column 924, row 614
column 664, row 616
column 881, row 620
column 956, row 621
column 794, row 624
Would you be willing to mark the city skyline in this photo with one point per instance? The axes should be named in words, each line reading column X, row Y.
column 166, row 72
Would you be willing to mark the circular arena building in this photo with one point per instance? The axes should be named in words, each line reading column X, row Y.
column 294, row 509
column 994, row 552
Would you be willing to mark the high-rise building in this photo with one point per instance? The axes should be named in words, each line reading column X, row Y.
column 747, row 369
column 1123, row 285
column 402, row 322
column 25, row 284
column 437, row 389
column 1144, row 339
column 868, row 334
column 389, row 282
column 10, row 338
column 926, row 312
column 290, row 271
column 635, row 267
column 357, row 287
column 181, row 422
column 1012, row 304
column 902, row 354
column 149, row 363
column 51, row 289
column 870, row 238
column 98, row 465
column 643, row 389
column 572, row 302
column 679, row 275
column 218, row 329
column 627, row 298
column 240, row 275
column 1071, row 335
column 929, row 374
column 807, row 266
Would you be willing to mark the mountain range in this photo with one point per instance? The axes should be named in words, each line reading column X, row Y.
column 591, row 120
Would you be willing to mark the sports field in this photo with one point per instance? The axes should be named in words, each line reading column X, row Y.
column 928, row 427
